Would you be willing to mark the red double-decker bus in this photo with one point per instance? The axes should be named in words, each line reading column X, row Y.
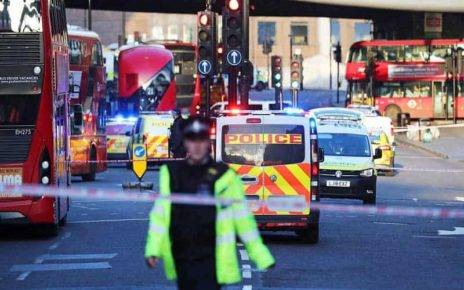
column 146, row 79
column 88, row 105
column 406, row 76
column 34, row 85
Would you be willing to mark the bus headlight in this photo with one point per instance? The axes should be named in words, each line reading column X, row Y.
column 45, row 180
column 45, row 165
column 367, row 173
column 37, row 70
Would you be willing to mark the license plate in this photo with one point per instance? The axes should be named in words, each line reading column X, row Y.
column 10, row 176
column 338, row 183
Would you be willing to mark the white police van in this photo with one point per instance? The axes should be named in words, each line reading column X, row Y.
column 348, row 170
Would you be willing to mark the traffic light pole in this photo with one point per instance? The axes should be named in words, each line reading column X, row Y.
column 232, row 88
column 245, row 77
column 89, row 16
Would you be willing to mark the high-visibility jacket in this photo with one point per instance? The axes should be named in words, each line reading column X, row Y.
column 231, row 221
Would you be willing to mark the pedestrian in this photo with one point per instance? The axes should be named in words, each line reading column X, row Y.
column 197, row 243
column 176, row 144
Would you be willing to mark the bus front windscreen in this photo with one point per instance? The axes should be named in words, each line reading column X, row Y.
column 18, row 110
column 20, row 16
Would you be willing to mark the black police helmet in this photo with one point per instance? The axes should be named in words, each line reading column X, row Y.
column 196, row 128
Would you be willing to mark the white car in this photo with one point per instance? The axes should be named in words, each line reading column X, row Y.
column 375, row 122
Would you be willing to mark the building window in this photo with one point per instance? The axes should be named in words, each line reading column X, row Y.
column 187, row 34
column 299, row 34
column 173, row 32
column 334, row 31
column 266, row 32
column 362, row 31
column 157, row 33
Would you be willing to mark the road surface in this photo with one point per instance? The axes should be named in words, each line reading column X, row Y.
column 102, row 245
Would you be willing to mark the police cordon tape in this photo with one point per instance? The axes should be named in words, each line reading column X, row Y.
column 161, row 160
column 121, row 161
column 287, row 203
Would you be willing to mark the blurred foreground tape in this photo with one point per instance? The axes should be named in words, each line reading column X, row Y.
column 150, row 196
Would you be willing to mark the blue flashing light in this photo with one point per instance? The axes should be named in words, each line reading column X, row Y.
column 119, row 119
column 312, row 126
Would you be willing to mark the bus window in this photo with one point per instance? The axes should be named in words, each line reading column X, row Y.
column 438, row 53
column 390, row 53
column 97, row 55
column 13, row 20
column 416, row 53
column 358, row 92
column 417, row 89
column 358, row 54
column 76, row 52
column 390, row 90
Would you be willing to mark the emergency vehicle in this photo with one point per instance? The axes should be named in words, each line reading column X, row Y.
column 153, row 129
column 348, row 170
column 118, row 134
column 277, row 157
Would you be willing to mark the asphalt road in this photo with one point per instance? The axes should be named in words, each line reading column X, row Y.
column 102, row 245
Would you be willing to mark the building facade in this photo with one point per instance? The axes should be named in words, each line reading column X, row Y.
column 311, row 37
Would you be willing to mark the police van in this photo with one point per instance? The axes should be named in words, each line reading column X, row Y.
column 152, row 129
column 348, row 170
column 276, row 156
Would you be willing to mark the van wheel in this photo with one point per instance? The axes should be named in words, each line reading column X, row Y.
column 93, row 167
column 309, row 235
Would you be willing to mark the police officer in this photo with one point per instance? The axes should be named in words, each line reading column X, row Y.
column 197, row 243
column 176, row 144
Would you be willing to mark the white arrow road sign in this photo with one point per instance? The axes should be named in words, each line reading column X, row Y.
column 234, row 57
column 204, row 67
column 457, row 232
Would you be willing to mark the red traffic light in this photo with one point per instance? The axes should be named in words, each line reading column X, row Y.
column 295, row 65
column 204, row 19
column 234, row 5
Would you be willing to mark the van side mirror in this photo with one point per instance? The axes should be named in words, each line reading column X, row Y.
column 321, row 155
column 378, row 153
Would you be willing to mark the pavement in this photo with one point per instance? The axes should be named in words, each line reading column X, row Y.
column 447, row 145
column 102, row 245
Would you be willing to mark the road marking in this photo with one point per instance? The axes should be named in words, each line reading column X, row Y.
column 391, row 223
column 244, row 255
column 54, row 246
column 78, row 257
column 460, row 198
column 60, row 267
column 246, row 271
column 108, row 221
column 433, row 237
column 456, row 232
column 247, row 287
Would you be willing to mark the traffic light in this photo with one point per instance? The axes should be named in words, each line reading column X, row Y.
column 232, row 33
column 276, row 72
column 206, row 42
column 337, row 53
column 296, row 73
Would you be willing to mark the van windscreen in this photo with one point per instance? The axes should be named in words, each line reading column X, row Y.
column 263, row 145
column 350, row 145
